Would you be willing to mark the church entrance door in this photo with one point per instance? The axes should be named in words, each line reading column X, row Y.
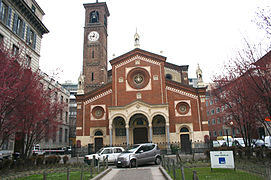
column 98, row 144
column 140, row 135
column 186, row 144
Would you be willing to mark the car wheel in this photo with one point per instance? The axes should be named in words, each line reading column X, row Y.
column 133, row 163
column 157, row 160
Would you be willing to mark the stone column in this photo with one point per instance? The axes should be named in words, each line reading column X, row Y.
column 110, row 136
column 127, row 134
column 150, row 129
column 168, row 137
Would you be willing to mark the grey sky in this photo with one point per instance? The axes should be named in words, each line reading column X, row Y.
column 188, row 32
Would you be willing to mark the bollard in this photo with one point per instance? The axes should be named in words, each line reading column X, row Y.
column 168, row 165
column 106, row 162
column 174, row 170
column 195, row 177
column 98, row 166
column 68, row 174
column 182, row 171
column 91, row 171
column 44, row 175
column 82, row 170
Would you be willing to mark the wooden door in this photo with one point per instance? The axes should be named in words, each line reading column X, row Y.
column 140, row 135
column 98, row 144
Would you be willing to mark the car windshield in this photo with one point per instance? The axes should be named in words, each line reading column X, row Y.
column 131, row 149
column 100, row 151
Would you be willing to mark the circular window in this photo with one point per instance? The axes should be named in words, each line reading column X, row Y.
column 138, row 78
column 98, row 112
column 182, row 108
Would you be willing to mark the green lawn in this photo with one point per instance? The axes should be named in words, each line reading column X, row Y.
column 216, row 174
column 59, row 176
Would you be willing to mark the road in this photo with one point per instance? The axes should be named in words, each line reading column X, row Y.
column 148, row 172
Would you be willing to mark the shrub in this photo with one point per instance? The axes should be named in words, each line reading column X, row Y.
column 268, row 154
column 58, row 159
column 65, row 159
column 40, row 160
column 248, row 152
column 174, row 148
column 7, row 163
column 240, row 153
column 207, row 154
column 259, row 153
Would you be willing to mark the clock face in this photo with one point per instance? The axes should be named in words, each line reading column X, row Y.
column 93, row 36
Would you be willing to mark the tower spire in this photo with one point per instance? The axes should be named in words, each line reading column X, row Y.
column 136, row 36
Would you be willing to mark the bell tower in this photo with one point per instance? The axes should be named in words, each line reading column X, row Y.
column 95, row 45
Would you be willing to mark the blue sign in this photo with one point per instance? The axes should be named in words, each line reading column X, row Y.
column 222, row 160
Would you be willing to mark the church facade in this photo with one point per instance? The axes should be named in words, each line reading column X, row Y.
column 143, row 98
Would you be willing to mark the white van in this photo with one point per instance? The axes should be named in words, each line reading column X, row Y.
column 267, row 141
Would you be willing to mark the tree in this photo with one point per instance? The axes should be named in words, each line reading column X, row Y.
column 26, row 107
column 244, row 88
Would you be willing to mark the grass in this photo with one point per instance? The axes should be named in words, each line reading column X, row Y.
column 216, row 174
column 59, row 176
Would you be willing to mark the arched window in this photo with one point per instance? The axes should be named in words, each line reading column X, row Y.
column 92, row 54
column 169, row 76
column 184, row 129
column 94, row 17
column 98, row 133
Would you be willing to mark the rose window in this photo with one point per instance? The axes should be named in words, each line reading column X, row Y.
column 182, row 108
column 138, row 78
column 98, row 112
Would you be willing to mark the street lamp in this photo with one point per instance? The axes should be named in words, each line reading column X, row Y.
column 231, row 123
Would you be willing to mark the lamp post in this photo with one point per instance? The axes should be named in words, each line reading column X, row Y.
column 227, row 133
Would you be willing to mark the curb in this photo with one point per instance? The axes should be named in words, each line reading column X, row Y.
column 102, row 174
column 164, row 172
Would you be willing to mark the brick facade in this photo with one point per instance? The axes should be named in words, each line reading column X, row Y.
column 137, row 103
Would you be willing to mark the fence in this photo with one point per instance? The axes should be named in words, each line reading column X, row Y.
column 172, row 148
column 82, row 171
column 179, row 168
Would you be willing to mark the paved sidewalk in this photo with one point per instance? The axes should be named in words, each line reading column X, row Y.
column 141, row 173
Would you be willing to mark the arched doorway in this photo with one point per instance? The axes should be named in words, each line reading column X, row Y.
column 159, row 129
column 186, row 146
column 98, row 140
column 119, row 131
column 139, row 124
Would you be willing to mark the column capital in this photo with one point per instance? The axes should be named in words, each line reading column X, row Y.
column 127, row 126
column 110, row 127
column 150, row 125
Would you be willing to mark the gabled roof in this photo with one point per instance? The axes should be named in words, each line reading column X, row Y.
column 95, row 91
column 187, row 88
column 138, row 51
column 176, row 67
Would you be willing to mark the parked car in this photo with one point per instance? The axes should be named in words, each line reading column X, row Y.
column 139, row 154
column 239, row 142
column 267, row 141
column 216, row 144
column 258, row 143
column 108, row 152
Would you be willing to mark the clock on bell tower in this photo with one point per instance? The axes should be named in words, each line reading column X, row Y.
column 95, row 45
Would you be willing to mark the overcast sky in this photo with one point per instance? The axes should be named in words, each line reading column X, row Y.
column 187, row 32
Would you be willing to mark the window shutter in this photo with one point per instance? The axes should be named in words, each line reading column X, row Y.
column 0, row 9
column 9, row 16
column 34, row 41
column 22, row 35
column 15, row 19
column 27, row 34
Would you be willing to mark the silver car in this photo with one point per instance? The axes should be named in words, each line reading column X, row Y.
column 139, row 154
